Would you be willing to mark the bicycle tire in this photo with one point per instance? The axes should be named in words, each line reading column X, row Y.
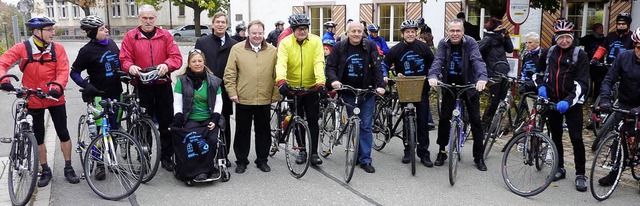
column 84, row 137
column 114, row 172
column 276, row 126
column 412, row 143
column 494, row 129
column 454, row 134
column 353, row 143
column 383, row 121
column 26, row 177
column 635, row 162
column 145, row 132
column 604, row 131
column 327, row 127
column 608, row 159
column 298, row 140
column 512, row 161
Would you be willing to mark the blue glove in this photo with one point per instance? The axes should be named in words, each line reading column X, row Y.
column 542, row 91
column 562, row 106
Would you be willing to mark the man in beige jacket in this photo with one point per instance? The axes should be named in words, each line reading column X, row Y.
column 249, row 79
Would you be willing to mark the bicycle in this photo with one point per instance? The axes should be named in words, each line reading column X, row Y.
column 23, row 156
column 301, row 142
column 334, row 132
column 506, row 109
column 600, row 122
column 457, row 133
column 620, row 149
column 140, row 125
column 102, row 161
column 530, row 159
column 279, row 119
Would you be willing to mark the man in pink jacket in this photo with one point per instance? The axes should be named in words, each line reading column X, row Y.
column 145, row 48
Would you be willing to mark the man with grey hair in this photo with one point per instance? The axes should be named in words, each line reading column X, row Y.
column 355, row 62
column 530, row 61
column 249, row 78
column 458, row 62
column 147, row 48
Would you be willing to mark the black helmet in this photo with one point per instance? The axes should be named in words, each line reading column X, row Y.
column 91, row 23
column 279, row 23
column 297, row 20
column 626, row 17
column 409, row 24
column 39, row 23
column 241, row 27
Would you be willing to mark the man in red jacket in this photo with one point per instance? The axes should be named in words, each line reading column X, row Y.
column 43, row 61
column 145, row 48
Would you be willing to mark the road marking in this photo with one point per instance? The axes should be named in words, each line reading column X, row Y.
column 346, row 186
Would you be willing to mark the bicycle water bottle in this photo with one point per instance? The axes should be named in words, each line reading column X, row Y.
column 93, row 130
column 286, row 122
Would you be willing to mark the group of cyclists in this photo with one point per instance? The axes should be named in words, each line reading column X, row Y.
column 213, row 80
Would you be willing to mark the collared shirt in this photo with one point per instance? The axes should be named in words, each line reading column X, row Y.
column 222, row 40
column 255, row 48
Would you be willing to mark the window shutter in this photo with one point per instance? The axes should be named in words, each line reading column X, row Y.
column 366, row 13
column 338, row 14
column 546, row 32
column 297, row 9
column 414, row 10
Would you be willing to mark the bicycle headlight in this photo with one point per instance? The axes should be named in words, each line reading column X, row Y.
column 356, row 111
column 456, row 112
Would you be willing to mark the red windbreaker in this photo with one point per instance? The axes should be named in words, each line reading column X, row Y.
column 137, row 50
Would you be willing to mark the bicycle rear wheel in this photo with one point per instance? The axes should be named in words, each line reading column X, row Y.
column 607, row 163
column 522, row 172
column 494, row 130
column 84, row 137
column 298, row 145
column 276, row 130
column 381, row 127
column 351, row 148
column 146, row 133
column 23, row 168
column 454, row 154
column 121, row 172
column 327, row 128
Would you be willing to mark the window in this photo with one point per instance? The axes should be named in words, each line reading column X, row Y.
column 132, row 8
column 49, row 6
column 319, row 15
column 77, row 12
column 390, row 18
column 181, row 10
column 62, row 10
column 115, row 8
column 584, row 15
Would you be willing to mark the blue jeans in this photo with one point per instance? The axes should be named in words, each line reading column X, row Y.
column 366, row 106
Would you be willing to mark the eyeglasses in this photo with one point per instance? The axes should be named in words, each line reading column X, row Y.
column 195, row 51
column 48, row 30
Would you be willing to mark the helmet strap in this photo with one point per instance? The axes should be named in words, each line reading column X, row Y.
column 39, row 42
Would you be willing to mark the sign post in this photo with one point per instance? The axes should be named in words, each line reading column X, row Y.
column 25, row 6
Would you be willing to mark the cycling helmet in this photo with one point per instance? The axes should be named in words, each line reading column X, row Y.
column 373, row 27
column 297, row 20
column 279, row 23
column 148, row 75
column 241, row 27
column 39, row 23
column 626, row 17
column 328, row 42
column 330, row 24
column 91, row 23
column 408, row 24
column 636, row 35
column 563, row 26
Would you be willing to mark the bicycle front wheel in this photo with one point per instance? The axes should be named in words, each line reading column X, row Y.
column 411, row 141
column 607, row 167
column 454, row 154
column 276, row 126
column 494, row 130
column 381, row 127
column 23, row 168
column 84, row 137
column 298, row 147
column 327, row 128
column 529, row 163
column 351, row 148
column 146, row 133
column 110, row 174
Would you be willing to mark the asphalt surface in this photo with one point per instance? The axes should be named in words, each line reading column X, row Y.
column 392, row 184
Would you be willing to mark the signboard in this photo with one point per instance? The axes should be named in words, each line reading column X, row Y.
column 514, row 63
column 518, row 11
column 516, row 41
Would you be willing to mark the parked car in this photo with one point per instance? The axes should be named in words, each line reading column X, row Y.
column 190, row 30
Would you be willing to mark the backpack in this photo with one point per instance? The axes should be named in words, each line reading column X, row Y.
column 574, row 57
column 30, row 59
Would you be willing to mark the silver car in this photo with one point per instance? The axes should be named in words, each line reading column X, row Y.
column 190, row 30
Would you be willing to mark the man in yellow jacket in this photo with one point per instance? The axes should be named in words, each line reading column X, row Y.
column 300, row 64
column 248, row 78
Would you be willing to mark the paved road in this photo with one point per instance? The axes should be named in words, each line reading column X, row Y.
column 392, row 183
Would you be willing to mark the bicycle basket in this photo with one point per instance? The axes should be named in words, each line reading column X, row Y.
column 410, row 88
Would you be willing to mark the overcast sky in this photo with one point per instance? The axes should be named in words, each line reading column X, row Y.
column 13, row 2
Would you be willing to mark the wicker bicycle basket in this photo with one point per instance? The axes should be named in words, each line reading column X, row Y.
column 410, row 88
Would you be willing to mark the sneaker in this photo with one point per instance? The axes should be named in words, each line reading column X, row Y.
column 315, row 159
column 368, row 168
column 426, row 161
column 201, row 177
column 406, row 159
column 71, row 176
column 560, row 174
column 581, row 183
column 440, row 159
column 609, row 179
column 100, row 172
column 167, row 164
column 45, row 178
column 302, row 158
column 480, row 164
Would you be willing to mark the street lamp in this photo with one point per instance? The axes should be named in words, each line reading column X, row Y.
column 25, row 6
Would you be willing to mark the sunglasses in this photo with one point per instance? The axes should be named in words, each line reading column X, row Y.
column 195, row 51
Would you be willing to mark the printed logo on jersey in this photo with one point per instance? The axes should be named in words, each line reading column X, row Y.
column 110, row 60
column 528, row 69
column 455, row 66
column 196, row 145
column 356, row 63
column 614, row 49
column 413, row 63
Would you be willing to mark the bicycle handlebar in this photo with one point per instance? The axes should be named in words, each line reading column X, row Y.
column 24, row 92
column 356, row 91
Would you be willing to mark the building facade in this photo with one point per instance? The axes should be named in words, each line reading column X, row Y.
column 120, row 14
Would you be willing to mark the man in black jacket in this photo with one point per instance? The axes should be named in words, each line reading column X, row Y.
column 469, row 29
column 216, row 49
column 272, row 38
column 356, row 62
column 413, row 58
column 566, row 82
column 493, row 46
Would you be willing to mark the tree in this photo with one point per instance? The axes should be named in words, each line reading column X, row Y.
column 198, row 6
column 85, row 5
